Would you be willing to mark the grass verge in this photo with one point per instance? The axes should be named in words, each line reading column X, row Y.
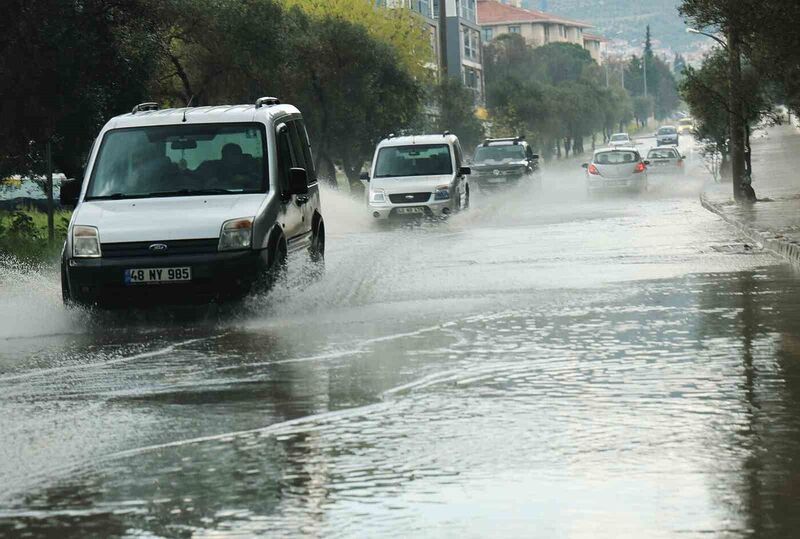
column 23, row 234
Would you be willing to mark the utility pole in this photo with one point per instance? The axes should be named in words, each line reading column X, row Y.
column 443, row 38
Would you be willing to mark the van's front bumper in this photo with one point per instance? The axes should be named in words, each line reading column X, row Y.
column 101, row 281
column 431, row 209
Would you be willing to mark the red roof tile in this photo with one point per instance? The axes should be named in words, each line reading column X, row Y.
column 492, row 12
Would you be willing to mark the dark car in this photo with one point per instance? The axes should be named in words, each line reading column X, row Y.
column 499, row 162
column 667, row 135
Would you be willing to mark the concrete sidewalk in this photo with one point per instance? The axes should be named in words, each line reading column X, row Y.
column 774, row 221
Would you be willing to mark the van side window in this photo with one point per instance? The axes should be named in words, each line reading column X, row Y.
column 528, row 152
column 306, row 147
column 285, row 157
column 459, row 161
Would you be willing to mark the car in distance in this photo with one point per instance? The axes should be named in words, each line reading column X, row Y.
column 417, row 176
column 666, row 160
column 502, row 161
column 667, row 135
column 685, row 126
column 191, row 205
column 617, row 169
column 620, row 140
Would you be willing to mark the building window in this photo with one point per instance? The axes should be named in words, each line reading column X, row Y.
column 562, row 30
column 471, row 79
column 547, row 33
column 468, row 10
column 471, row 43
column 422, row 6
column 514, row 29
column 488, row 34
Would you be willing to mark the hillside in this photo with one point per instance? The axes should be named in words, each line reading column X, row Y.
column 626, row 19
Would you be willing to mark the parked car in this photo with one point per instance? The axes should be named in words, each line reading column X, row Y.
column 665, row 160
column 666, row 135
column 417, row 176
column 499, row 162
column 686, row 126
column 616, row 169
column 620, row 140
column 194, row 204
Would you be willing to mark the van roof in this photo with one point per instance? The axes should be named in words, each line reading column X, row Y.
column 201, row 115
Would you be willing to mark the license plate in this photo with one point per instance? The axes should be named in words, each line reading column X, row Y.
column 410, row 210
column 157, row 275
column 497, row 180
column 616, row 183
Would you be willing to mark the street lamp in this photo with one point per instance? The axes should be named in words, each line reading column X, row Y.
column 736, row 125
column 712, row 36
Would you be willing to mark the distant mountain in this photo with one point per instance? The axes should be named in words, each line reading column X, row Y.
column 626, row 19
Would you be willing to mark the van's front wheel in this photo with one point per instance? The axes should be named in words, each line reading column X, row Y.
column 316, row 251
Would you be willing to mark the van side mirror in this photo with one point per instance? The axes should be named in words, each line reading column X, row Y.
column 364, row 176
column 535, row 156
column 70, row 192
column 464, row 171
column 298, row 181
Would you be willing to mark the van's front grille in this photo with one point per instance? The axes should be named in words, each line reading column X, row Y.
column 410, row 198
column 156, row 248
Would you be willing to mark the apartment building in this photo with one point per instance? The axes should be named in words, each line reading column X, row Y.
column 537, row 27
column 464, row 54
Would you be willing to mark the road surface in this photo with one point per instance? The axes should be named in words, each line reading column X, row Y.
column 541, row 366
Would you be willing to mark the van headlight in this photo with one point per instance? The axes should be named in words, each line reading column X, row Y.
column 236, row 234
column 85, row 242
column 377, row 196
column 442, row 192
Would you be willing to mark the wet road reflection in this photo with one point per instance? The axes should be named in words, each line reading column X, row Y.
column 552, row 367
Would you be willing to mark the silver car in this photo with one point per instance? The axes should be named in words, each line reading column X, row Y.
column 666, row 160
column 616, row 169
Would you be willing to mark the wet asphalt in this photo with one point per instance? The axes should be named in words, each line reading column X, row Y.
column 543, row 365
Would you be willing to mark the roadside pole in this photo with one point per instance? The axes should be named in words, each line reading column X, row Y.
column 443, row 39
column 51, row 235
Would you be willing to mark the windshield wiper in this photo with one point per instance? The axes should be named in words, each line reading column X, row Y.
column 112, row 196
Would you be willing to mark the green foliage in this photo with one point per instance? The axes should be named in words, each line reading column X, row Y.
column 767, row 30
column 556, row 93
column 24, row 234
column 67, row 66
column 457, row 112
column 706, row 91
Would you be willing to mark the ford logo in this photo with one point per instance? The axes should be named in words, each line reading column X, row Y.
column 158, row 247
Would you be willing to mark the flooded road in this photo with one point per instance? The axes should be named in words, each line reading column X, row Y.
column 542, row 365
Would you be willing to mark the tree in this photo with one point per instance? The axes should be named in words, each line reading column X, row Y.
column 68, row 66
column 403, row 29
column 457, row 112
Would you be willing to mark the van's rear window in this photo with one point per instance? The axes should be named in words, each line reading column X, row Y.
column 180, row 160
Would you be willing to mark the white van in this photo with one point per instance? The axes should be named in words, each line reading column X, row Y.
column 417, row 176
column 191, row 204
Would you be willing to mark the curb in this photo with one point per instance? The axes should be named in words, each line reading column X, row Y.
column 777, row 244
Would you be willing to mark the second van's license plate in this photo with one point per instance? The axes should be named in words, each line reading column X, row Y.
column 410, row 210
column 157, row 275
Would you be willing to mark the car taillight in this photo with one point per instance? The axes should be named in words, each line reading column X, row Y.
column 593, row 170
column 639, row 167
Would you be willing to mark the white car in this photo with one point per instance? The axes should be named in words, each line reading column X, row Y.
column 666, row 160
column 616, row 169
column 191, row 204
column 417, row 176
column 620, row 140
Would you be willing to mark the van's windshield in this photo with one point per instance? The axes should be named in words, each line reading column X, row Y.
column 180, row 160
column 416, row 160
